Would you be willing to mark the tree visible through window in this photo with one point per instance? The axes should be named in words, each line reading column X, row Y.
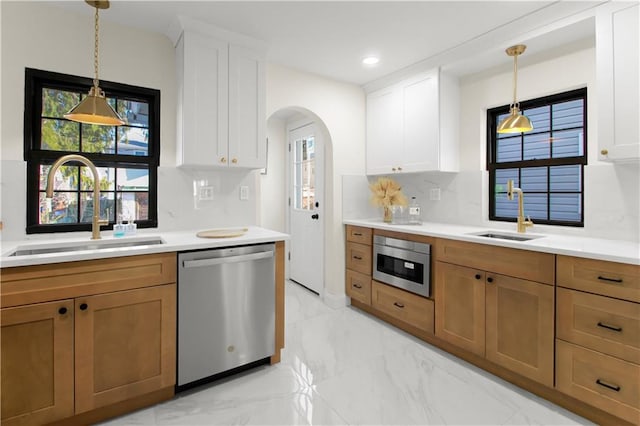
column 546, row 163
column 126, row 156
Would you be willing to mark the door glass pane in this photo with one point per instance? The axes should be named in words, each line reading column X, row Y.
column 304, row 174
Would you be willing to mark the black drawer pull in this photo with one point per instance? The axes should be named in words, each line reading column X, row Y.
column 399, row 305
column 357, row 257
column 609, row 327
column 608, row 386
column 83, row 306
column 357, row 234
column 489, row 280
column 357, row 286
column 62, row 310
column 478, row 276
column 612, row 280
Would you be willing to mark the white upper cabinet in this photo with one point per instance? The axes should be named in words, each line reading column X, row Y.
column 221, row 102
column 617, row 56
column 411, row 126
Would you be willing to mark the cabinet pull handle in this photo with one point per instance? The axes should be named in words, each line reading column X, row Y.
column 223, row 160
column 357, row 286
column 613, row 280
column 489, row 280
column 608, row 386
column 478, row 276
column 62, row 310
column 357, row 234
column 234, row 161
column 83, row 306
column 393, row 169
column 399, row 305
column 609, row 327
column 357, row 257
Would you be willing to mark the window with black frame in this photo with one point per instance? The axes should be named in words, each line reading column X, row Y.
column 127, row 156
column 547, row 163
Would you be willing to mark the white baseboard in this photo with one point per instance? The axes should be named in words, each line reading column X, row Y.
column 336, row 301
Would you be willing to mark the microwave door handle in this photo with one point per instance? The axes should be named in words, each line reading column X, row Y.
column 230, row 259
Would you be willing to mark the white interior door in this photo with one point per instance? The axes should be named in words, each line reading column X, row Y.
column 306, row 203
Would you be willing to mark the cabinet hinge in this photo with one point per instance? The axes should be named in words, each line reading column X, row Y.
column 289, row 147
column 289, row 201
column 289, row 256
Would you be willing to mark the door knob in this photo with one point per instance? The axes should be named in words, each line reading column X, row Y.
column 315, row 216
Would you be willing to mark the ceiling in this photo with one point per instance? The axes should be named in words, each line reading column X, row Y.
column 330, row 38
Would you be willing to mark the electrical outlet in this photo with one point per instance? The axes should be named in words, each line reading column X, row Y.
column 206, row 193
column 435, row 194
column 244, row 193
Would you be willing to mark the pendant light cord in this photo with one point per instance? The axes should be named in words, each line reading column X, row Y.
column 95, row 51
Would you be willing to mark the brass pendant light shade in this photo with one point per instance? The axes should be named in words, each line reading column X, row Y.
column 515, row 122
column 94, row 108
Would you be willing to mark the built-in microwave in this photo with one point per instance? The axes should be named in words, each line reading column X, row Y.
column 401, row 263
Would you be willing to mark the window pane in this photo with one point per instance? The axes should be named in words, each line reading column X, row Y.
column 540, row 118
column 499, row 119
column 106, row 176
column 536, row 146
column 565, row 178
column 567, row 143
column 506, row 207
column 56, row 103
column 134, row 113
column 62, row 208
column 509, row 149
column 565, row 207
column 535, row 205
column 534, row 179
column 568, row 114
column 133, row 141
column 107, row 207
column 133, row 179
column 503, row 175
column 60, row 135
column 66, row 178
column 133, row 205
column 99, row 139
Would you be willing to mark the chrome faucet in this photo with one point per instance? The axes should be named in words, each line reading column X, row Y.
column 95, row 227
column 523, row 223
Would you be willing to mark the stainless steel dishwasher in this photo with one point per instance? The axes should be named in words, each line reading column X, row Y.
column 226, row 310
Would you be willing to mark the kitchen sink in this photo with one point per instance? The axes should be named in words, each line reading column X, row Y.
column 35, row 249
column 506, row 236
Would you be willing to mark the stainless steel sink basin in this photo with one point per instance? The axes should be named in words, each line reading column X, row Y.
column 505, row 236
column 35, row 249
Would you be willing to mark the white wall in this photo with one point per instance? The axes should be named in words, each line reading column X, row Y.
column 341, row 108
column 41, row 36
column 273, row 184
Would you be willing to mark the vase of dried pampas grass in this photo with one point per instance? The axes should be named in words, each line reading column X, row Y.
column 386, row 192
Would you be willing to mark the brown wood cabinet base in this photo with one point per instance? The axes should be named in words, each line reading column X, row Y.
column 596, row 415
column 118, row 409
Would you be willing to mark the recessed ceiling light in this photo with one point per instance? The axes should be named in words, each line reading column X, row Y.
column 370, row 60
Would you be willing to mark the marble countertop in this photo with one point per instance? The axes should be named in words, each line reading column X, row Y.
column 592, row 248
column 172, row 241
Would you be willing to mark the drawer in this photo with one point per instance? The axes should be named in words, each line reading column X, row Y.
column 619, row 280
column 358, row 234
column 608, row 383
column 359, row 287
column 359, row 258
column 525, row 264
column 409, row 308
column 601, row 323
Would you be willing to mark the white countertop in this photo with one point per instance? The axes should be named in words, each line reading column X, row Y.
column 592, row 248
column 173, row 242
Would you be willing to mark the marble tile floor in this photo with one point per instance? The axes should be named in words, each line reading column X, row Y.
column 345, row 367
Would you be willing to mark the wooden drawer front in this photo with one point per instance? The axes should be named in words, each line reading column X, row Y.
column 359, row 258
column 359, row 286
column 605, row 382
column 43, row 283
column 619, row 280
column 358, row 234
column 414, row 310
column 528, row 265
column 607, row 325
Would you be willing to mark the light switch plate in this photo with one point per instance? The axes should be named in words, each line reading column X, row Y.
column 244, row 193
column 206, row 193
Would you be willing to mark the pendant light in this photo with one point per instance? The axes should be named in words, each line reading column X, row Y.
column 515, row 122
column 94, row 108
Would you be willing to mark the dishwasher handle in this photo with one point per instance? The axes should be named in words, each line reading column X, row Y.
column 229, row 259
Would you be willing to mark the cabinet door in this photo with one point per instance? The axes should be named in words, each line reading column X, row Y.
column 202, row 101
column 247, row 103
column 460, row 306
column 618, row 55
column 520, row 326
column 37, row 363
column 421, row 135
column 384, row 131
column 125, row 344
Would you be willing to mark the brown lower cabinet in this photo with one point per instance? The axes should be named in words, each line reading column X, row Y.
column 90, row 348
